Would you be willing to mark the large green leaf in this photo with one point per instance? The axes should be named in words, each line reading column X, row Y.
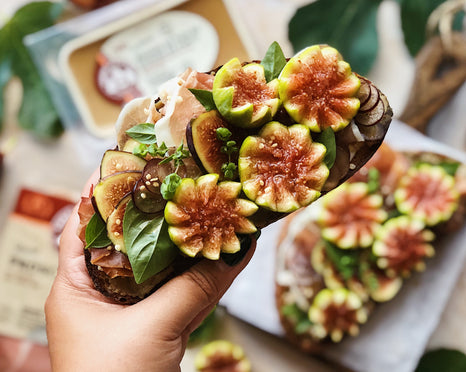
column 349, row 26
column 414, row 15
column 444, row 360
column 37, row 112
column 147, row 242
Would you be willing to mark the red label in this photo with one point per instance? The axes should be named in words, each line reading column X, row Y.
column 40, row 206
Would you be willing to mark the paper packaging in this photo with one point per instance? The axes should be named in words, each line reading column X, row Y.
column 396, row 334
column 29, row 251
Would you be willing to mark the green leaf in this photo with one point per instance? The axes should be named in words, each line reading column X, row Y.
column 147, row 242
column 205, row 97
column 349, row 26
column 327, row 138
column 346, row 261
column 445, row 360
column 169, row 185
column 273, row 62
column 37, row 112
column 5, row 74
column 414, row 15
column 373, row 181
column 143, row 133
column 205, row 329
column 96, row 233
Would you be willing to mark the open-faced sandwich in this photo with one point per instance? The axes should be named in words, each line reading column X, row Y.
column 358, row 245
column 217, row 156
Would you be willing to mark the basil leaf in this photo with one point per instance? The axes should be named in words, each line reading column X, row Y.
column 327, row 138
column 373, row 181
column 96, row 233
column 143, row 133
column 414, row 15
column 273, row 62
column 37, row 112
column 169, row 186
column 205, row 97
column 147, row 243
column 349, row 26
column 445, row 360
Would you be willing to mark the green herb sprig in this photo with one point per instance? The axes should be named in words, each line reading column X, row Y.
column 229, row 169
column 145, row 134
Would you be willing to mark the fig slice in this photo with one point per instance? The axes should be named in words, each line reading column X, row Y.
column 115, row 161
column 115, row 224
column 319, row 90
column 351, row 215
column 335, row 313
column 204, row 216
column 204, row 143
column 401, row 246
column 222, row 355
column 242, row 95
column 282, row 169
column 427, row 192
column 111, row 189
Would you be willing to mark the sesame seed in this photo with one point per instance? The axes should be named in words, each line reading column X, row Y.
column 142, row 188
column 116, row 233
column 352, row 166
column 147, row 183
column 117, row 247
column 148, row 176
column 143, row 195
column 118, row 221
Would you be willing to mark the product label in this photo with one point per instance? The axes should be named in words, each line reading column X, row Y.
column 134, row 62
column 28, row 264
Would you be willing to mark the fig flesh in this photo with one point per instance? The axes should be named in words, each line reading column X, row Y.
column 111, row 189
column 428, row 193
column 242, row 95
column 351, row 215
column 115, row 161
column 115, row 225
column 282, row 169
column 401, row 246
column 319, row 90
column 204, row 216
column 221, row 355
column 335, row 313
column 204, row 143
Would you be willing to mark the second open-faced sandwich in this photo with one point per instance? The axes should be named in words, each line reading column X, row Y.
column 356, row 248
column 217, row 156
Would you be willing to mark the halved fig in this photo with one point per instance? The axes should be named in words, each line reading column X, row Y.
column 351, row 215
column 115, row 161
column 111, row 189
column 242, row 95
column 381, row 288
column 146, row 194
column 335, row 313
column 115, row 224
column 222, row 355
column 204, row 143
column 319, row 90
column 281, row 168
column 204, row 216
column 401, row 246
column 428, row 193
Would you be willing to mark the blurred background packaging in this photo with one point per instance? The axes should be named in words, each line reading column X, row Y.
column 66, row 69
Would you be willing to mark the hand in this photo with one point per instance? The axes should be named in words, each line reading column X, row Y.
column 88, row 332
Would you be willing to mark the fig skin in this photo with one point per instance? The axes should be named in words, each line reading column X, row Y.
column 282, row 169
column 427, row 193
column 242, row 95
column 318, row 89
column 115, row 161
column 351, row 216
column 222, row 355
column 111, row 189
column 401, row 246
column 335, row 313
column 204, row 216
